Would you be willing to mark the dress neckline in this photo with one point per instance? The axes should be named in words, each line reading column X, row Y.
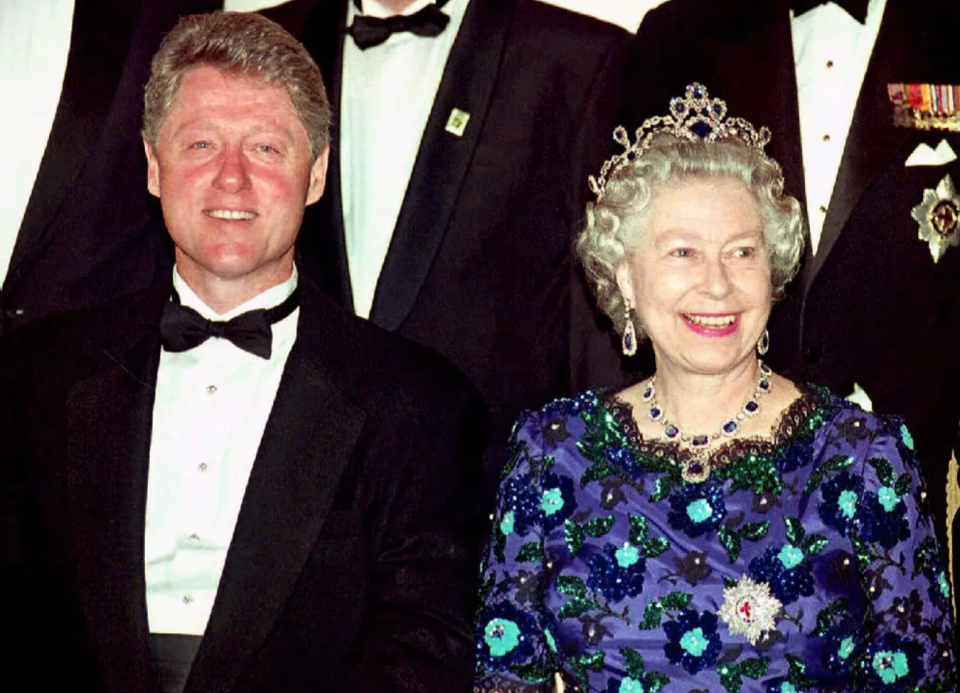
column 800, row 415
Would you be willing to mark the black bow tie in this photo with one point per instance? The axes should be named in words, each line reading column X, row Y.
column 855, row 8
column 372, row 31
column 183, row 328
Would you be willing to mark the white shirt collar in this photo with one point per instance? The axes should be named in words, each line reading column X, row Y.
column 270, row 298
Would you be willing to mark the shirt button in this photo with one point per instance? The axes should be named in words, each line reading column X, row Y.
column 194, row 537
column 211, row 389
column 823, row 209
column 829, row 63
column 187, row 599
column 202, row 467
column 826, row 138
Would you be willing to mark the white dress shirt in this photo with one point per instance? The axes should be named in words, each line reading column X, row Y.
column 831, row 50
column 34, row 42
column 211, row 408
column 387, row 94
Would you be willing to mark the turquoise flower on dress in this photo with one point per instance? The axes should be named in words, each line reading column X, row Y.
column 884, row 518
column 627, row 556
column 505, row 637
column 697, row 509
column 892, row 663
column 552, row 501
column 940, row 589
column 557, row 501
column 693, row 641
column 506, row 523
column 841, row 498
column 625, row 685
column 790, row 556
column 906, row 436
column 501, row 636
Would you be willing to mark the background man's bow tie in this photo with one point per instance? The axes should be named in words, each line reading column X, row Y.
column 855, row 8
column 183, row 328
column 372, row 31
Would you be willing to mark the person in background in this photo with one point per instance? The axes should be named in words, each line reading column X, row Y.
column 225, row 482
column 715, row 526
column 864, row 96
column 464, row 132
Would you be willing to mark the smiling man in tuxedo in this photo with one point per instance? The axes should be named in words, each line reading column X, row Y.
column 227, row 483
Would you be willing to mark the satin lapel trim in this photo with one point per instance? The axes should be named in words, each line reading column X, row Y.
column 109, row 420
column 98, row 53
column 296, row 474
column 872, row 141
column 442, row 162
column 343, row 289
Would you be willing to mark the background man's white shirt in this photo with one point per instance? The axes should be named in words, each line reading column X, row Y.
column 387, row 92
column 831, row 50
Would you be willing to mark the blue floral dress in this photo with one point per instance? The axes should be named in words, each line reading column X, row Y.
column 802, row 562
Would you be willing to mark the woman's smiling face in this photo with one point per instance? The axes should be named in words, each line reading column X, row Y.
column 699, row 276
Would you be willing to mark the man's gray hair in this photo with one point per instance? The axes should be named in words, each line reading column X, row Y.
column 241, row 43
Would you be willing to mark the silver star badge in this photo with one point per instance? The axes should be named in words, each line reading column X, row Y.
column 939, row 217
column 749, row 609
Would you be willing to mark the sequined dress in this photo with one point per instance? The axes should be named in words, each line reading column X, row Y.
column 801, row 564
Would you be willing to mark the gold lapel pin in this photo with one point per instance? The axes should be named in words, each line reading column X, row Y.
column 457, row 122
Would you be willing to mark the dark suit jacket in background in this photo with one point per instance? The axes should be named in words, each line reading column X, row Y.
column 480, row 265
column 870, row 307
column 352, row 567
column 91, row 232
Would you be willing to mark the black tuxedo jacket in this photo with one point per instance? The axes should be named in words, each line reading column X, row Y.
column 480, row 266
column 91, row 231
column 352, row 567
column 871, row 307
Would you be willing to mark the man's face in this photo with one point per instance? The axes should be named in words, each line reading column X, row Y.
column 233, row 172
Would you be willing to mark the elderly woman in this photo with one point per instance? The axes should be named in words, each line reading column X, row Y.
column 715, row 527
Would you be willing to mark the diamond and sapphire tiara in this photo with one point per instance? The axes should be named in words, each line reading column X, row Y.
column 695, row 117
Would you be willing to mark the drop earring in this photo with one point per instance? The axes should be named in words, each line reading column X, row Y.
column 629, row 342
column 763, row 345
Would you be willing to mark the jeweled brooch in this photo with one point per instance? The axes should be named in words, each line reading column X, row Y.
column 749, row 609
column 939, row 217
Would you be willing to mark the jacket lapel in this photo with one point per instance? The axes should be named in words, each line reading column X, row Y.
column 302, row 455
column 109, row 419
column 873, row 142
column 468, row 84
column 324, row 238
column 769, row 96
column 95, row 64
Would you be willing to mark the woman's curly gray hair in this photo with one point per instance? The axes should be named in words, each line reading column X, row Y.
column 616, row 222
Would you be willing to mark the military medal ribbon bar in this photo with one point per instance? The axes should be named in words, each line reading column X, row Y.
column 926, row 106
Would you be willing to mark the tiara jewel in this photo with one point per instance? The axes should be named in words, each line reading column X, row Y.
column 695, row 117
